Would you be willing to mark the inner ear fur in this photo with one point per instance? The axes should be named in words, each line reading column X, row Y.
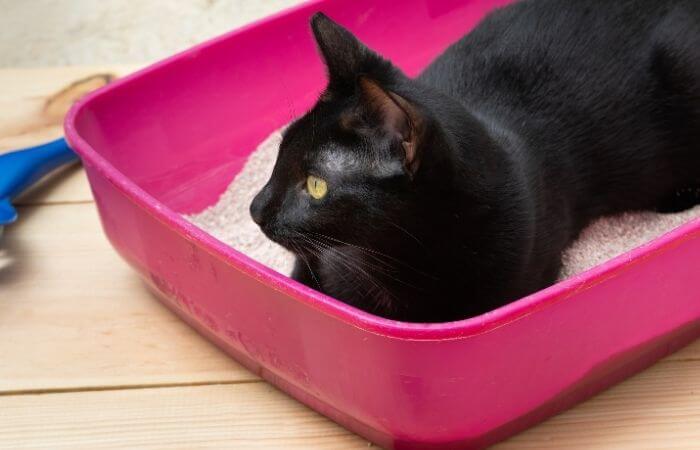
column 396, row 116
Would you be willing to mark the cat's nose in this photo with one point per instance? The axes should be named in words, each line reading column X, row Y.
column 257, row 206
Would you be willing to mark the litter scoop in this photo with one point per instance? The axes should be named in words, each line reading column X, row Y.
column 20, row 169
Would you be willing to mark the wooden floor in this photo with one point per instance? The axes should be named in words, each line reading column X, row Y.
column 89, row 359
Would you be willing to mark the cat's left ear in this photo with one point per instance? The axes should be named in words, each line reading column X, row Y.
column 345, row 56
column 397, row 117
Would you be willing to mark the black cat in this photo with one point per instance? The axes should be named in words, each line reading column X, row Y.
column 445, row 196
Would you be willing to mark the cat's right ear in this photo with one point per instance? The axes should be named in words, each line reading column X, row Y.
column 397, row 117
column 342, row 52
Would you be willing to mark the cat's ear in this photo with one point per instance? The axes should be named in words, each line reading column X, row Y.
column 342, row 52
column 397, row 117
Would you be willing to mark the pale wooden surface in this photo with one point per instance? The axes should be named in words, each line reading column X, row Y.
column 89, row 359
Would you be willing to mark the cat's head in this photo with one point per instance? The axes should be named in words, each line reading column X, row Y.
column 350, row 167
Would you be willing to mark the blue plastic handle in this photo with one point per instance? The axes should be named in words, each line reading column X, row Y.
column 22, row 168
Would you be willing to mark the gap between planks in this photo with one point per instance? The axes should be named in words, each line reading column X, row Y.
column 658, row 408
column 125, row 387
column 253, row 415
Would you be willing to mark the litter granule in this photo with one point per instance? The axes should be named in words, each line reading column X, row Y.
column 229, row 221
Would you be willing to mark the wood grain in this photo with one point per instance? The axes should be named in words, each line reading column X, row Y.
column 33, row 101
column 244, row 416
column 657, row 409
column 32, row 106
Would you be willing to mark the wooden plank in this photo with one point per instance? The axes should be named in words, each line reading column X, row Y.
column 74, row 316
column 243, row 416
column 33, row 103
column 659, row 408
column 690, row 353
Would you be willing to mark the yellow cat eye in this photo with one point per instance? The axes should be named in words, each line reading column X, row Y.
column 317, row 187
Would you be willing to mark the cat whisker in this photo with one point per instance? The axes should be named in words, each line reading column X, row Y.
column 316, row 249
column 405, row 231
column 377, row 255
column 332, row 248
column 358, row 262
column 306, row 261
column 347, row 261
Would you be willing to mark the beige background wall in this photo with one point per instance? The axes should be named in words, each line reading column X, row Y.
column 36, row 33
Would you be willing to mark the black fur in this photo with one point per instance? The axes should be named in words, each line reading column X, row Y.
column 456, row 192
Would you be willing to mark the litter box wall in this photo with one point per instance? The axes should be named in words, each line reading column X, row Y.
column 169, row 139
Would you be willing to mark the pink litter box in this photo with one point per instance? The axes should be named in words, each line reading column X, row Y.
column 169, row 139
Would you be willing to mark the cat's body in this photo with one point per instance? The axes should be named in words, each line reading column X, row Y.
column 457, row 192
